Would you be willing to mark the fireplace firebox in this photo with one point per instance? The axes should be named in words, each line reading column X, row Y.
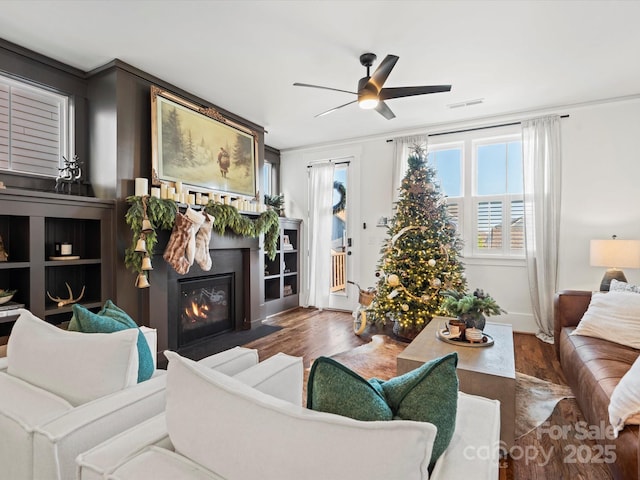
column 201, row 305
column 207, row 307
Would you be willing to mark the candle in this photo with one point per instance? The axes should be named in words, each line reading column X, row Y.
column 171, row 193
column 164, row 193
column 178, row 187
column 155, row 192
column 205, row 199
column 142, row 187
column 176, row 197
column 199, row 198
column 192, row 199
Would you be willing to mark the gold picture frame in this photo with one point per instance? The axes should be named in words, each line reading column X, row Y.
column 200, row 147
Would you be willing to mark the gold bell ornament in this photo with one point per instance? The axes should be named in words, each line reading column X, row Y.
column 146, row 263
column 141, row 245
column 146, row 226
column 142, row 281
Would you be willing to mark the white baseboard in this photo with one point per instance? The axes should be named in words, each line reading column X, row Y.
column 520, row 322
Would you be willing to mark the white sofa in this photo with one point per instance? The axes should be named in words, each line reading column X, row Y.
column 252, row 426
column 42, row 431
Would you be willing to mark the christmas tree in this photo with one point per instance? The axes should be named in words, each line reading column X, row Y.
column 420, row 257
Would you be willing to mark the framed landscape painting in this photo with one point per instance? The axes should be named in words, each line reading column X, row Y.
column 200, row 147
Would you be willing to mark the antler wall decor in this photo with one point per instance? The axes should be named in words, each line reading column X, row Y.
column 67, row 301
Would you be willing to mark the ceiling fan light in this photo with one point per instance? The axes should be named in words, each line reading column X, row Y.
column 368, row 103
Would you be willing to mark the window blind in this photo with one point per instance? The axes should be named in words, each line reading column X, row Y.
column 32, row 129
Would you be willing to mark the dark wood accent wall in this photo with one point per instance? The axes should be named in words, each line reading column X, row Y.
column 113, row 134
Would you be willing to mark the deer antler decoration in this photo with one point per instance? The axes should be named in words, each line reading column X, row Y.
column 67, row 301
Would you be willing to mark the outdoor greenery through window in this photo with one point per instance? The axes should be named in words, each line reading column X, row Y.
column 482, row 179
column 34, row 128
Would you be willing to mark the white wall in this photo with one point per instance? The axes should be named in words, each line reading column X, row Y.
column 600, row 197
column 600, row 187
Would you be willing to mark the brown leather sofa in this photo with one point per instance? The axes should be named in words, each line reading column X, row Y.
column 593, row 367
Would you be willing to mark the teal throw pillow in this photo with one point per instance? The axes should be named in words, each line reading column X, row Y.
column 113, row 319
column 333, row 388
column 427, row 394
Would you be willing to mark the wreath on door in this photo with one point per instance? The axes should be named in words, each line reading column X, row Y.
column 342, row 203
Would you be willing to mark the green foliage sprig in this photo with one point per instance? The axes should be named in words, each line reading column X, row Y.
column 276, row 202
column 478, row 302
column 228, row 217
column 162, row 215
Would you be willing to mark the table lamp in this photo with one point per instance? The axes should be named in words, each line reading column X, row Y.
column 614, row 254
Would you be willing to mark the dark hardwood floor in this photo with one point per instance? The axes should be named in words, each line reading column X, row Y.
column 309, row 333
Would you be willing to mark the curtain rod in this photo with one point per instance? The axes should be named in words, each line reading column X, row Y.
column 476, row 128
column 330, row 161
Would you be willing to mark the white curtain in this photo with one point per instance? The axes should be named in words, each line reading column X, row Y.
column 403, row 147
column 542, row 183
column 320, row 218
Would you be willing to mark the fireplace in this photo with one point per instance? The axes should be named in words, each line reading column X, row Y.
column 206, row 309
column 236, row 262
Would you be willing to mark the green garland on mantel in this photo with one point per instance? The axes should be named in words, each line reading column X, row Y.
column 162, row 214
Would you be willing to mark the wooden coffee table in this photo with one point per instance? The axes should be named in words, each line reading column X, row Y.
column 486, row 371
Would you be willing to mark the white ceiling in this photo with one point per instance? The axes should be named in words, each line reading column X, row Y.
column 245, row 55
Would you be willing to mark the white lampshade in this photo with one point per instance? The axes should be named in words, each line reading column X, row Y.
column 615, row 253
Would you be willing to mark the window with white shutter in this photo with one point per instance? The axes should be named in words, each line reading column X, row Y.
column 33, row 128
column 455, row 214
column 482, row 179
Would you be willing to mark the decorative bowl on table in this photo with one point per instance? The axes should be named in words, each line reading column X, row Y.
column 6, row 295
column 473, row 335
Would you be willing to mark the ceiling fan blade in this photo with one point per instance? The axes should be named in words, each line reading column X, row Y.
column 389, row 93
column 334, row 109
column 382, row 72
column 323, row 88
column 384, row 110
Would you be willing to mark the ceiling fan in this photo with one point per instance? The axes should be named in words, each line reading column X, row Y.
column 371, row 94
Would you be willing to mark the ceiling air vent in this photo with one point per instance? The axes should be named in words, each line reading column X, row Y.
column 468, row 103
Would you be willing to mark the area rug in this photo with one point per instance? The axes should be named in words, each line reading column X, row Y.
column 535, row 398
column 228, row 340
column 535, row 401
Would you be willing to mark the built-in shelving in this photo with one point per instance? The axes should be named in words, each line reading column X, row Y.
column 281, row 275
column 31, row 223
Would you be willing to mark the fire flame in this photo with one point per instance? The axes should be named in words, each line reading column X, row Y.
column 195, row 312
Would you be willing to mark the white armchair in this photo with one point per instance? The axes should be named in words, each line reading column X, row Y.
column 253, row 417
column 53, row 404
column 147, row 448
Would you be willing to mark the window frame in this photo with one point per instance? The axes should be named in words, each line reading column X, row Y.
column 468, row 202
column 66, row 111
column 267, row 180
